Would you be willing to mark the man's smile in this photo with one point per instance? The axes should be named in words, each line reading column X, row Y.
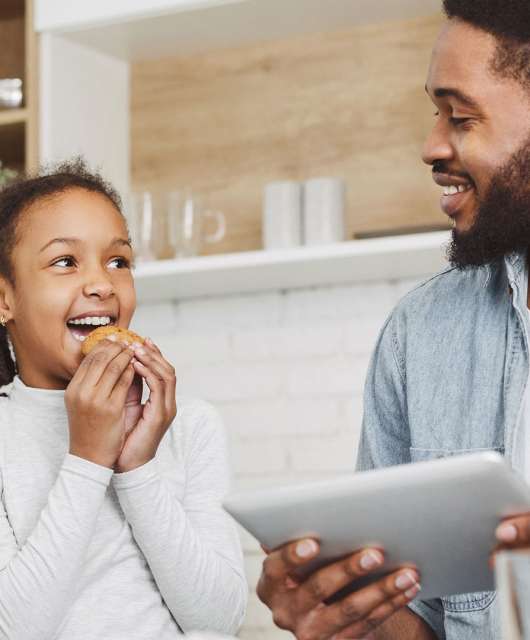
column 457, row 192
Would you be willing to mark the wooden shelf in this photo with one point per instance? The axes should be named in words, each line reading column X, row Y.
column 18, row 127
column 408, row 256
column 13, row 116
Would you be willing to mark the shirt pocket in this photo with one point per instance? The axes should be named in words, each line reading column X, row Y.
column 461, row 602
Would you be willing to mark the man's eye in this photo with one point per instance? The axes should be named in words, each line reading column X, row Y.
column 459, row 121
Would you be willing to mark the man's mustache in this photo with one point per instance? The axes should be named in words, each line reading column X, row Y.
column 442, row 167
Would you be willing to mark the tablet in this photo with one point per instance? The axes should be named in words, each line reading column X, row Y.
column 440, row 515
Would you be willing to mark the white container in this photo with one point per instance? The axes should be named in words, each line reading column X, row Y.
column 10, row 93
column 282, row 215
column 324, row 205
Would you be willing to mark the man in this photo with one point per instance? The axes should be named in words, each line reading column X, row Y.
column 450, row 369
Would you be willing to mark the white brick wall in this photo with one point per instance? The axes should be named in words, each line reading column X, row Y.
column 286, row 370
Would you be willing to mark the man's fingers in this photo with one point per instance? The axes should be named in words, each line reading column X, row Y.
column 514, row 532
column 370, row 606
column 322, row 584
column 377, row 617
column 280, row 563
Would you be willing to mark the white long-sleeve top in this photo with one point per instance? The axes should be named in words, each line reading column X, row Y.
column 88, row 554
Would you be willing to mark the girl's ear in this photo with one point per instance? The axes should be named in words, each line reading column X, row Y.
column 6, row 298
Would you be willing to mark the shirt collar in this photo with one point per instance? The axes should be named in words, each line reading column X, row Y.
column 33, row 398
column 515, row 267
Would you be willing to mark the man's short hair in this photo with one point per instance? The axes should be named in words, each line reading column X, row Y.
column 509, row 22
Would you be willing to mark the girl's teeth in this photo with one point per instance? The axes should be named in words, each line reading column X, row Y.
column 92, row 320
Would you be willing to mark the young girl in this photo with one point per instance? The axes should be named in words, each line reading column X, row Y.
column 111, row 524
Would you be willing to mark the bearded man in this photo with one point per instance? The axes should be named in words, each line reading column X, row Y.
column 449, row 373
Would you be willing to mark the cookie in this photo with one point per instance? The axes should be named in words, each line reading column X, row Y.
column 104, row 332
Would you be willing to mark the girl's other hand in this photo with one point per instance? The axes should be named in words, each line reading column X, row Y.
column 157, row 413
column 133, row 403
column 95, row 403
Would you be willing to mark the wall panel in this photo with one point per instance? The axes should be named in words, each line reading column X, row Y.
column 348, row 103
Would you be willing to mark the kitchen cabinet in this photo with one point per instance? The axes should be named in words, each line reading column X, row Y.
column 141, row 29
column 65, row 15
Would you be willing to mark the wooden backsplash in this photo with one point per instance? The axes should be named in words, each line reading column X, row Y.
column 349, row 103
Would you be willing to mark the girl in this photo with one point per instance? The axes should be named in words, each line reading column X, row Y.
column 110, row 518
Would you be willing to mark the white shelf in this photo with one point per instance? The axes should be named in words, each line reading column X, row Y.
column 389, row 258
column 143, row 29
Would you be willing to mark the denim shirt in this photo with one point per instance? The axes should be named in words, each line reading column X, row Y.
column 447, row 376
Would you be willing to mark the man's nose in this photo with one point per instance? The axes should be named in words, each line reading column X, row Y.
column 437, row 145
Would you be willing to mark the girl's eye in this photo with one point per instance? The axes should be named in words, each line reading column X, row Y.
column 125, row 264
column 65, row 259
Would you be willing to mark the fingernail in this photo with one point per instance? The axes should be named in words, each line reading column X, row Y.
column 405, row 580
column 149, row 342
column 371, row 560
column 306, row 548
column 112, row 337
column 506, row 533
column 411, row 593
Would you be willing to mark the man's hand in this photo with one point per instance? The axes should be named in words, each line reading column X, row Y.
column 514, row 533
column 300, row 606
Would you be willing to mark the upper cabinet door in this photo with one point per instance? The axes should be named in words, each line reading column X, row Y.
column 68, row 15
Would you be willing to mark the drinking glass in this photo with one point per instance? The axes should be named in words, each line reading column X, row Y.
column 187, row 224
column 170, row 224
column 144, row 211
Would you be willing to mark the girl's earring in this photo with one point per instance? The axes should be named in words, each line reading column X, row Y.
column 12, row 352
column 3, row 320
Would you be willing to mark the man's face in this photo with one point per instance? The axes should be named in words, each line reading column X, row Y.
column 479, row 147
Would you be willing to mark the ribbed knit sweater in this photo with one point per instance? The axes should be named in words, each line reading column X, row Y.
column 88, row 554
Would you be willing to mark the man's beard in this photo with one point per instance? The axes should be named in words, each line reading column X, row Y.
column 502, row 223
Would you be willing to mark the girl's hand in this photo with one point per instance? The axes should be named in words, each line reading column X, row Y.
column 156, row 415
column 95, row 399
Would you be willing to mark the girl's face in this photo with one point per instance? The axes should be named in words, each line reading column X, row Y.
column 72, row 258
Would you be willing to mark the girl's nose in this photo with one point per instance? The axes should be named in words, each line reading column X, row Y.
column 100, row 285
column 100, row 289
